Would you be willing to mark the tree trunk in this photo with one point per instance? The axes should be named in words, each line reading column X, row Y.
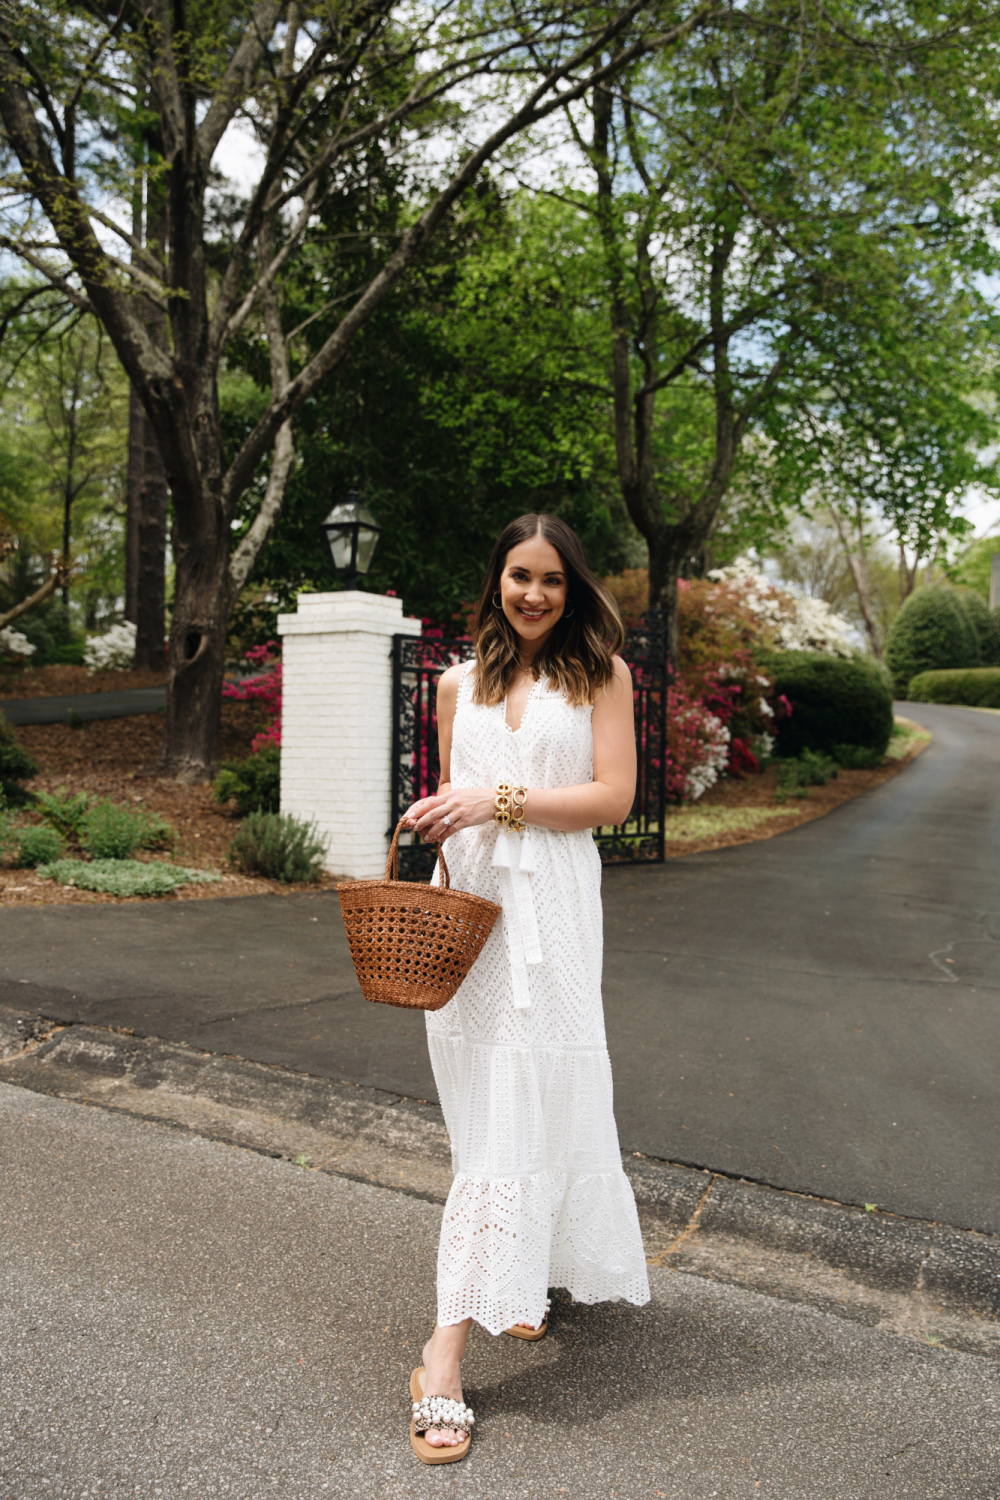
column 857, row 562
column 133, row 485
column 907, row 575
column 197, row 655
column 151, row 537
column 151, row 521
column 664, row 571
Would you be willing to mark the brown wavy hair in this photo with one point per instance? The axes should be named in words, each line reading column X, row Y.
column 578, row 655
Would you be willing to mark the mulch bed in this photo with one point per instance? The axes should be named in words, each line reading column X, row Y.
column 106, row 758
column 59, row 682
column 759, row 791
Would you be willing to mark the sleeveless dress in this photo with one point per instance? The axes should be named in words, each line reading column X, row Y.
column 539, row 1197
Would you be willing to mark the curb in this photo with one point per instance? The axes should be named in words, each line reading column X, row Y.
column 701, row 1221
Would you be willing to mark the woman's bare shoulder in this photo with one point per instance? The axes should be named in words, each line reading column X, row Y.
column 448, row 685
column 622, row 673
column 450, row 678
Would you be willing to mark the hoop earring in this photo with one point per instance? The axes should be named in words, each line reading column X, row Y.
column 497, row 601
column 569, row 613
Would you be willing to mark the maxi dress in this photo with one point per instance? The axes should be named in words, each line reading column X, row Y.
column 539, row 1197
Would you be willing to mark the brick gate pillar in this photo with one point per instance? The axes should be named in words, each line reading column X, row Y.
column 336, row 722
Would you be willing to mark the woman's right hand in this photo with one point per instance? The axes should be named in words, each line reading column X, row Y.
column 464, row 807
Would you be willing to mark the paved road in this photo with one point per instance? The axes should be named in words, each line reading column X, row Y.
column 817, row 1011
column 185, row 1319
column 59, row 710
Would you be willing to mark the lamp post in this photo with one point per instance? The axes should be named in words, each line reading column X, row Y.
column 352, row 534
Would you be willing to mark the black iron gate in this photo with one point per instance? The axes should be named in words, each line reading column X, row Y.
column 417, row 663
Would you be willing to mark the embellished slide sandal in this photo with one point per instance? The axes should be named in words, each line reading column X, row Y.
column 533, row 1334
column 437, row 1411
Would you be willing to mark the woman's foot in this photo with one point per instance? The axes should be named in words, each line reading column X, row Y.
column 443, row 1376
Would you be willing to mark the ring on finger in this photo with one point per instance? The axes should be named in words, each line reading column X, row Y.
column 446, row 820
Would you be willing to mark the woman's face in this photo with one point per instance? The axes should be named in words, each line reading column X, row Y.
column 533, row 588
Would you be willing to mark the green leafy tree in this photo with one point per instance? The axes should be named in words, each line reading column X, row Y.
column 321, row 90
column 777, row 207
column 469, row 398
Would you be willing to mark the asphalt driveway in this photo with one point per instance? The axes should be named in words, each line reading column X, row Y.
column 818, row 1011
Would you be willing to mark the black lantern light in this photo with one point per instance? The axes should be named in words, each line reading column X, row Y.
column 352, row 533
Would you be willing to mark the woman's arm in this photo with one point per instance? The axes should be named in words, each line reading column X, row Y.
column 606, row 799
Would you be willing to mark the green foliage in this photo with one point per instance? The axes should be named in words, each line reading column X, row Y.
column 36, row 845
column 978, row 687
column 49, row 629
column 476, row 392
column 65, row 812
column 63, row 420
column 931, row 632
column 109, row 830
column 278, row 847
column 836, row 703
column 254, row 783
column 986, row 625
column 16, row 766
column 972, row 568
column 123, row 877
column 795, row 777
column 859, row 757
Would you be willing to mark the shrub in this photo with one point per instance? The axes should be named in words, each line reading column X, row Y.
column 16, row 643
column 795, row 777
column 836, row 703
column 109, row 830
column 932, row 631
column 36, row 845
column 858, row 757
column 113, row 651
column 16, row 766
column 978, row 687
column 277, row 847
column 49, row 629
column 265, row 689
column 123, row 877
column 64, row 812
column 985, row 624
column 254, row 783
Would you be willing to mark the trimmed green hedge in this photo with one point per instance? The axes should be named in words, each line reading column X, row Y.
column 841, row 707
column 986, row 625
column 976, row 687
column 932, row 632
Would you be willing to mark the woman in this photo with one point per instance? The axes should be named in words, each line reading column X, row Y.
column 519, row 1055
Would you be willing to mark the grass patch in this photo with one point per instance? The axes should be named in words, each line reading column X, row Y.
column 906, row 736
column 123, row 877
column 691, row 824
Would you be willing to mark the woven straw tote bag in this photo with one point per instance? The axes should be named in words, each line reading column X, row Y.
column 412, row 945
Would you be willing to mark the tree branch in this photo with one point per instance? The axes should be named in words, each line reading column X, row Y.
column 536, row 108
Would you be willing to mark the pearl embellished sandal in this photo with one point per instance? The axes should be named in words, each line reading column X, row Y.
column 533, row 1334
column 437, row 1411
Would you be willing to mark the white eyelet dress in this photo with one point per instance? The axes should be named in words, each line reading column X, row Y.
column 520, row 1059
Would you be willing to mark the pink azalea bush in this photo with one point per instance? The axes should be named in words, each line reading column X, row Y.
column 264, row 690
column 721, row 707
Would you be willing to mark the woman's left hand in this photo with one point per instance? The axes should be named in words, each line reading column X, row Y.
column 437, row 818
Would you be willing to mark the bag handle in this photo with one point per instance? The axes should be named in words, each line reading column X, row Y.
column 392, row 863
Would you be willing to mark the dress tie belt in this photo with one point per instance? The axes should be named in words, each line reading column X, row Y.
column 513, row 860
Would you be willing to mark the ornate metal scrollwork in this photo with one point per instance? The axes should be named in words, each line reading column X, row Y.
column 418, row 663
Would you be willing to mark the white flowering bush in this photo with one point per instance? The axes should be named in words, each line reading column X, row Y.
column 793, row 622
column 111, row 652
column 17, row 644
